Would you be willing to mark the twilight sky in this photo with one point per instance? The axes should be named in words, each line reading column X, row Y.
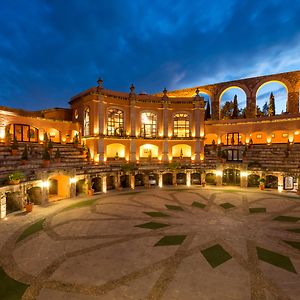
column 51, row 50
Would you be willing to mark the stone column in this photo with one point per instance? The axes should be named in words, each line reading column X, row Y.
column 101, row 150
column 132, row 150
column 132, row 181
column 165, row 105
column 160, row 180
column 219, row 175
column 280, row 183
column 102, row 115
column 292, row 105
column 104, row 183
column 215, row 107
column 188, row 178
column 197, row 150
column 244, row 179
column 203, row 175
column 165, row 152
column 132, row 111
column 174, row 181
column 202, row 149
column 2, row 205
column 146, row 181
column 117, row 181
column 251, row 107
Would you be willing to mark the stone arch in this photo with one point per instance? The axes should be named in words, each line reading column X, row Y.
column 266, row 82
column 238, row 86
column 184, row 149
column 124, row 123
column 148, row 151
column 54, row 134
column 114, row 150
column 59, row 186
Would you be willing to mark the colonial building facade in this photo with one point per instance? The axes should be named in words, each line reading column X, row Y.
column 176, row 137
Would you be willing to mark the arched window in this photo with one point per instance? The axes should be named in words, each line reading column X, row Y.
column 149, row 125
column 86, row 122
column 115, row 122
column 181, row 125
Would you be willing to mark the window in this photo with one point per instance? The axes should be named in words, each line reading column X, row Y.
column 25, row 133
column 115, row 122
column 233, row 138
column 148, row 125
column 86, row 122
column 234, row 155
column 181, row 125
column 258, row 136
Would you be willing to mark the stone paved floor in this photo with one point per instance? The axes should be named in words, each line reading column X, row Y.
column 159, row 244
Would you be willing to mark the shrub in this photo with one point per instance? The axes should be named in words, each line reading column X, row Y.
column 15, row 145
column 25, row 153
column 50, row 145
column 17, row 175
column 46, row 154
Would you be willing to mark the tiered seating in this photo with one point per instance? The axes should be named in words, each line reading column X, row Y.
column 275, row 157
column 71, row 157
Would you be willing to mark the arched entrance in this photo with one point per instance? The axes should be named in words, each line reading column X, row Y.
column 231, row 177
column 97, row 184
column 110, row 182
column 167, row 179
column 195, row 178
column 125, row 181
column 181, row 178
column 210, row 178
column 253, row 180
column 139, row 180
column 271, row 182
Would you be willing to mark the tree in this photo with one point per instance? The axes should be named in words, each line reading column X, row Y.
column 265, row 109
column 227, row 110
column 259, row 112
column 271, row 111
column 235, row 112
column 207, row 111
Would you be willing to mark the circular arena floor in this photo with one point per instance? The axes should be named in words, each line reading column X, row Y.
column 159, row 244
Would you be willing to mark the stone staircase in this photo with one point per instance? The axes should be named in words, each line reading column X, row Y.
column 71, row 157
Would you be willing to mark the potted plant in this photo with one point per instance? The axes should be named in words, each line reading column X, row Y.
column 262, row 182
column 76, row 140
column 15, row 147
column 24, row 157
column 84, row 149
column 90, row 192
column 50, row 146
column 46, row 158
column 28, row 206
column 57, row 156
column 15, row 177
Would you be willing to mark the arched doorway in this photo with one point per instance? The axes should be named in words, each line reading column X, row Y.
column 181, row 179
column 271, row 98
column 97, row 184
column 210, row 178
column 167, row 179
column 253, row 180
column 125, row 181
column 110, row 182
column 271, row 182
column 195, row 178
column 139, row 180
column 231, row 177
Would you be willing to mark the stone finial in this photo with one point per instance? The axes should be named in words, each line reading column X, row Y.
column 197, row 91
column 132, row 88
column 100, row 84
column 165, row 91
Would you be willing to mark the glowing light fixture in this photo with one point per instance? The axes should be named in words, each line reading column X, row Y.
column 73, row 180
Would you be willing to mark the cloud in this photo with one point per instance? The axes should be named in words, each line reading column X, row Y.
column 51, row 50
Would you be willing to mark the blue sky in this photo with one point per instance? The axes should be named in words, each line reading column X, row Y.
column 52, row 49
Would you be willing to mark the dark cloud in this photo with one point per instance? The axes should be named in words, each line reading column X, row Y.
column 51, row 50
